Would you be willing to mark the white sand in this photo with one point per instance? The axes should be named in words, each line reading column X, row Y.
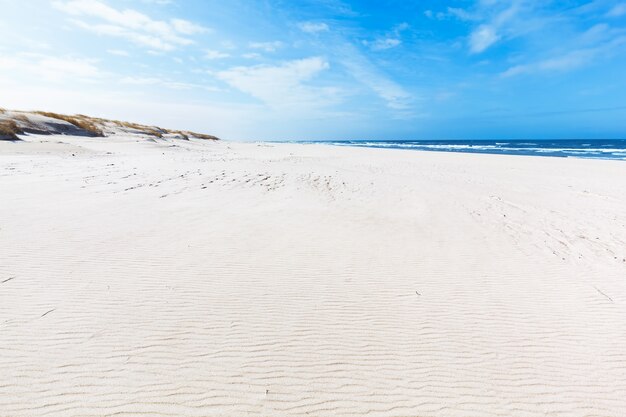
column 177, row 278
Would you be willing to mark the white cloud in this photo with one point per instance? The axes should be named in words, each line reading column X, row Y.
column 251, row 55
column 596, row 43
column 482, row 38
column 395, row 97
column 174, row 85
column 266, row 46
column 130, row 24
column 461, row 14
column 140, row 80
column 393, row 94
column 500, row 25
column 118, row 52
column 284, row 85
column 401, row 27
column 312, row 27
column 213, row 54
column 617, row 10
column 152, row 42
column 390, row 40
column 452, row 12
column 383, row 43
column 566, row 62
column 69, row 67
column 596, row 34
column 52, row 68
column 186, row 27
column 159, row 2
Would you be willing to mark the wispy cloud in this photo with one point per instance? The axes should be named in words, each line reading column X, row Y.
column 118, row 52
column 313, row 27
column 52, row 68
column 130, row 24
column 390, row 40
column 394, row 95
column 495, row 22
column 461, row 14
column 284, row 85
column 617, row 10
column 266, row 46
column 174, row 85
column 338, row 7
column 383, row 43
column 482, row 38
column 159, row 2
column 600, row 41
column 186, row 27
column 564, row 62
column 214, row 54
column 452, row 12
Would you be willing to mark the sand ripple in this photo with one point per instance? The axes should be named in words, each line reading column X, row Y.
column 307, row 280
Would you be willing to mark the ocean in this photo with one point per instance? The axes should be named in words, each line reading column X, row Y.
column 567, row 148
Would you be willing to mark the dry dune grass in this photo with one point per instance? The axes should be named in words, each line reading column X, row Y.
column 202, row 136
column 9, row 129
column 158, row 132
column 96, row 126
column 148, row 130
column 80, row 121
column 91, row 124
column 182, row 134
column 21, row 118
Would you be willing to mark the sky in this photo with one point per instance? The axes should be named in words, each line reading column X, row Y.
column 325, row 69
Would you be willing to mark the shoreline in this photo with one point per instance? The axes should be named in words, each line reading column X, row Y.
column 611, row 149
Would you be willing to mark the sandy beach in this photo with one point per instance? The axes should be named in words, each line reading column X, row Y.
column 190, row 278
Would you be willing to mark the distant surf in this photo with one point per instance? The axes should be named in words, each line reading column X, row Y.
column 578, row 148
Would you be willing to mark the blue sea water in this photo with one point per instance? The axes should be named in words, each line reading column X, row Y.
column 578, row 148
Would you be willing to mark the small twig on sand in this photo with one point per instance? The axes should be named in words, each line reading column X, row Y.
column 48, row 312
column 607, row 297
column 418, row 293
column 8, row 279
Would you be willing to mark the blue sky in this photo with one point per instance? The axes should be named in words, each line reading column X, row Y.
column 327, row 69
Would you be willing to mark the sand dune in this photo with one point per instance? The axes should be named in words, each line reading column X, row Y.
column 14, row 123
column 191, row 278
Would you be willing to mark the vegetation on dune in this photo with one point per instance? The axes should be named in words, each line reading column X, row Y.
column 181, row 133
column 81, row 122
column 92, row 125
column 9, row 129
column 203, row 136
column 21, row 118
column 148, row 130
column 158, row 132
